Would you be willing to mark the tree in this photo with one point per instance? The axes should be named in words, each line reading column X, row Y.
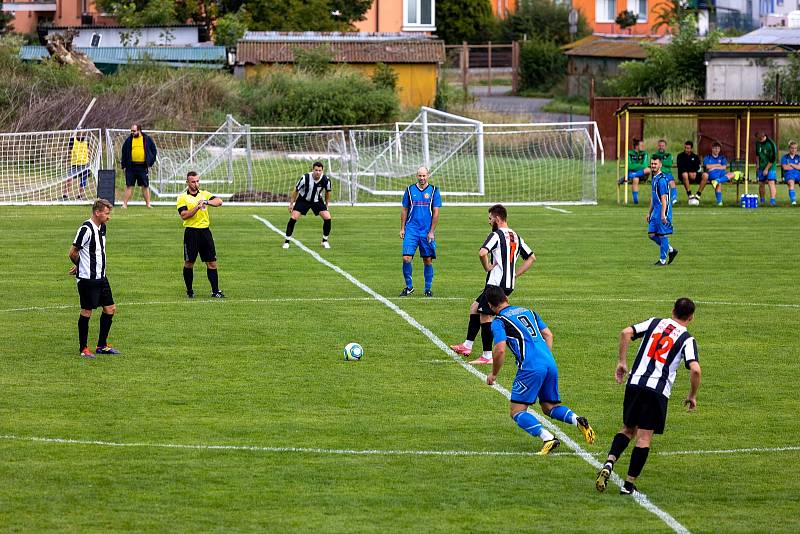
column 304, row 15
column 5, row 18
column 680, row 65
column 789, row 78
column 229, row 29
column 541, row 19
column 465, row 20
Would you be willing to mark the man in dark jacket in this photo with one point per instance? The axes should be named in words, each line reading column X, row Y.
column 138, row 155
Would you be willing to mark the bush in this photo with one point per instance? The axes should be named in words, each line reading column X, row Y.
column 465, row 20
column 316, row 61
column 229, row 29
column 384, row 77
column 281, row 98
column 541, row 20
column 542, row 64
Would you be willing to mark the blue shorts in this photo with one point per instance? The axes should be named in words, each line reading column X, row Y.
column 541, row 383
column 82, row 172
column 770, row 177
column 412, row 240
column 655, row 226
column 719, row 176
column 793, row 176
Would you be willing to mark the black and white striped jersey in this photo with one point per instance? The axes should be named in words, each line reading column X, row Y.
column 310, row 190
column 505, row 246
column 665, row 344
column 91, row 244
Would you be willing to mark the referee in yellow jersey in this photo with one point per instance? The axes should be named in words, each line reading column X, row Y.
column 193, row 208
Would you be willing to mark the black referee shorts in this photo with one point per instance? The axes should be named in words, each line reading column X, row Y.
column 137, row 173
column 483, row 304
column 94, row 293
column 644, row 408
column 198, row 240
column 302, row 205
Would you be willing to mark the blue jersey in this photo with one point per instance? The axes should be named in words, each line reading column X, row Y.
column 661, row 187
column 791, row 174
column 521, row 329
column 420, row 204
column 719, row 160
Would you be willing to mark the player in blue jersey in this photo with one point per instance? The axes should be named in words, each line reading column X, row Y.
column 418, row 220
column 791, row 170
column 527, row 336
column 659, row 216
column 716, row 170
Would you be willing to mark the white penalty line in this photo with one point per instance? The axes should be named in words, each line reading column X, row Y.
column 556, row 209
column 362, row 452
column 215, row 302
column 640, row 498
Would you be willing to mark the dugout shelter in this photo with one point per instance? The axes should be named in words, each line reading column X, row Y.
column 730, row 123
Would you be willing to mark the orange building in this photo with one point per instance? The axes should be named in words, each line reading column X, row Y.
column 501, row 8
column 601, row 15
column 391, row 16
column 29, row 14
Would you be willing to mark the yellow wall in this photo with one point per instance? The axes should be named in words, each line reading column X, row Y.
column 416, row 83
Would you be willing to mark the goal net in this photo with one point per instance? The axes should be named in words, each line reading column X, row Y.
column 241, row 163
column 43, row 167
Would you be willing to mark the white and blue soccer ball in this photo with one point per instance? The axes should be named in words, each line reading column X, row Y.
column 353, row 352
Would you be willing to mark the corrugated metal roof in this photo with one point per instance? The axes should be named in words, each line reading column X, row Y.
column 118, row 55
column 596, row 46
column 710, row 106
column 327, row 37
column 768, row 35
column 386, row 51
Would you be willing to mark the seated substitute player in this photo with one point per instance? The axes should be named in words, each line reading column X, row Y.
column 527, row 336
column 666, row 168
column 88, row 254
column 689, row 171
column 418, row 220
column 659, row 216
column 638, row 167
column 766, row 157
column 307, row 195
column 665, row 343
column 193, row 208
column 716, row 170
column 791, row 170
column 505, row 246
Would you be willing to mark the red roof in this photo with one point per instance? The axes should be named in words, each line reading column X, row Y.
column 399, row 51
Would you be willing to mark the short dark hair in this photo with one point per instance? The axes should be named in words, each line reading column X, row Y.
column 318, row 164
column 656, row 157
column 636, row 141
column 190, row 173
column 495, row 296
column 662, row 140
column 498, row 210
column 684, row 308
column 760, row 134
column 716, row 143
column 100, row 204
column 689, row 143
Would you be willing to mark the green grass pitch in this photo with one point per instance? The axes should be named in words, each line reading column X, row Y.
column 264, row 369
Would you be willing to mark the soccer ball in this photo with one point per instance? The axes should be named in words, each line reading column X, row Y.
column 694, row 201
column 353, row 352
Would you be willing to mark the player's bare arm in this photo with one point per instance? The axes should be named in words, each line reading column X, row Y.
column 73, row 257
column 625, row 338
column 483, row 254
column 525, row 265
column 434, row 222
column 694, row 385
column 498, row 357
column 292, row 199
column 403, row 219
column 547, row 335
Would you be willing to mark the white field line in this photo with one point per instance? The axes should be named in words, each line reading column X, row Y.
column 640, row 498
column 364, row 452
column 200, row 301
column 556, row 209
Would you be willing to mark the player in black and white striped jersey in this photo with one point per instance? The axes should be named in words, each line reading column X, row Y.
column 498, row 255
column 88, row 254
column 307, row 195
column 666, row 342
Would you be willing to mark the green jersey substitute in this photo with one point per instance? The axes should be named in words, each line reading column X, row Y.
column 766, row 152
column 638, row 160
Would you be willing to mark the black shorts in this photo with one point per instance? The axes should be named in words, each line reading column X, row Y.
column 302, row 205
column 137, row 173
column 483, row 305
column 94, row 293
column 698, row 176
column 644, row 408
column 198, row 240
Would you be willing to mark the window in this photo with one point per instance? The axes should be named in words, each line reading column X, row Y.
column 419, row 15
column 640, row 8
column 605, row 10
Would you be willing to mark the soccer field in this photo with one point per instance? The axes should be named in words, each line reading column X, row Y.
column 241, row 415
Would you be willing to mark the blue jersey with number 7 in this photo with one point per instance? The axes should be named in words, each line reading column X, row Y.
column 521, row 329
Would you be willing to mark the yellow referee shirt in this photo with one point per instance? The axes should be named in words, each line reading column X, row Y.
column 80, row 152
column 201, row 219
column 137, row 149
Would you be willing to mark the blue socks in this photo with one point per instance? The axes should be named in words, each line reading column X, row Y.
column 428, row 272
column 664, row 245
column 673, row 195
column 718, row 194
column 792, row 195
column 407, row 274
column 528, row 423
column 563, row 414
column 635, row 197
